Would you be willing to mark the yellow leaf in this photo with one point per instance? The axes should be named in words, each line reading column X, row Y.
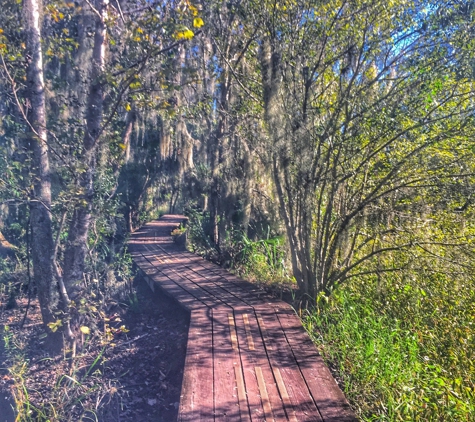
column 85, row 330
column 198, row 22
column 185, row 33
column 188, row 34
column 193, row 9
column 122, row 146
column 53, row 326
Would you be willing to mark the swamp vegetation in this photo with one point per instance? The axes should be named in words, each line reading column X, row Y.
column 323, row 148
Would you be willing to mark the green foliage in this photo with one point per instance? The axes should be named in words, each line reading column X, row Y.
column 403, row 347
column 133, row 303
column 198, row 229
column 262, row 260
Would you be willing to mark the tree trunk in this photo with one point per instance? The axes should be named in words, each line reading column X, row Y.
column 76, row 248
column 42, row 244
column 273, row 112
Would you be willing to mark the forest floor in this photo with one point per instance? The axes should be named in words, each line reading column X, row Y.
column 139, row 378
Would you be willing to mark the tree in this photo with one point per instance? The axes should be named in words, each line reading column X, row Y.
column 40, row 203
column 356, row 96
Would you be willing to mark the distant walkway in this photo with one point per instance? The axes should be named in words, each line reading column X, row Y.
column 248, row 357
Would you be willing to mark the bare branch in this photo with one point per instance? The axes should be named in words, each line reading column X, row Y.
column 139, row 9
column 93, row 9
column 233, row 72
column 27, row 121
column 120, row 11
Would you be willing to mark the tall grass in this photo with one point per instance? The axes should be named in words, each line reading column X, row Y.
column 401, row 355
column 262, row 260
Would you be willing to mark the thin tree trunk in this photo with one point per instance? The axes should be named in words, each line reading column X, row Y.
column 270, row 62
column 76, row 248
column 42, row 244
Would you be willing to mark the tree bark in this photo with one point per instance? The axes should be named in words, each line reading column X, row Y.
column 76, row 248
column 273, row 112
column 42, row 243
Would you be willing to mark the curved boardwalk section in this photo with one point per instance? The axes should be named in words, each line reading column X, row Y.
column 248, row 357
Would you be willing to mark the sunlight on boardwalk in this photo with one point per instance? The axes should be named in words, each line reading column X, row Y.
column 248, row 356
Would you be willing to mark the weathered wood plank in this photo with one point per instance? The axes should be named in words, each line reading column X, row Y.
column 227, row 404
column 299, row 405
column 326, row 394
column 268, row 416
column 171, row 271
column 196, row 401
column 223, row 288
column 253, row 356
column 185, row 299
column 186, row 268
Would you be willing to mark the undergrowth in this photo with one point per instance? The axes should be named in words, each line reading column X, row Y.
column 76, row 388
column 403, row 355
column 262, row 259
column 77, row 391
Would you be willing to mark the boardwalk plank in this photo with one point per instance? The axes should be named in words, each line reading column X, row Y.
column 196, row 401
column 263, row 395
column 185, row 299
column 299, row 406
column 228, row 404
column 233, row 290
column 185, row 268
column 330, row 400
column 170, row 270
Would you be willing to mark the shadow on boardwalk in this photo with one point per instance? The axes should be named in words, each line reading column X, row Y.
column 248, row 356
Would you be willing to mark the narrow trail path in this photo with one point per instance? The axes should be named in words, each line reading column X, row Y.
column 248, row 357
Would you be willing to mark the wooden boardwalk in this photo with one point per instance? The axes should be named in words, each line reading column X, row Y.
column 248, row 357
